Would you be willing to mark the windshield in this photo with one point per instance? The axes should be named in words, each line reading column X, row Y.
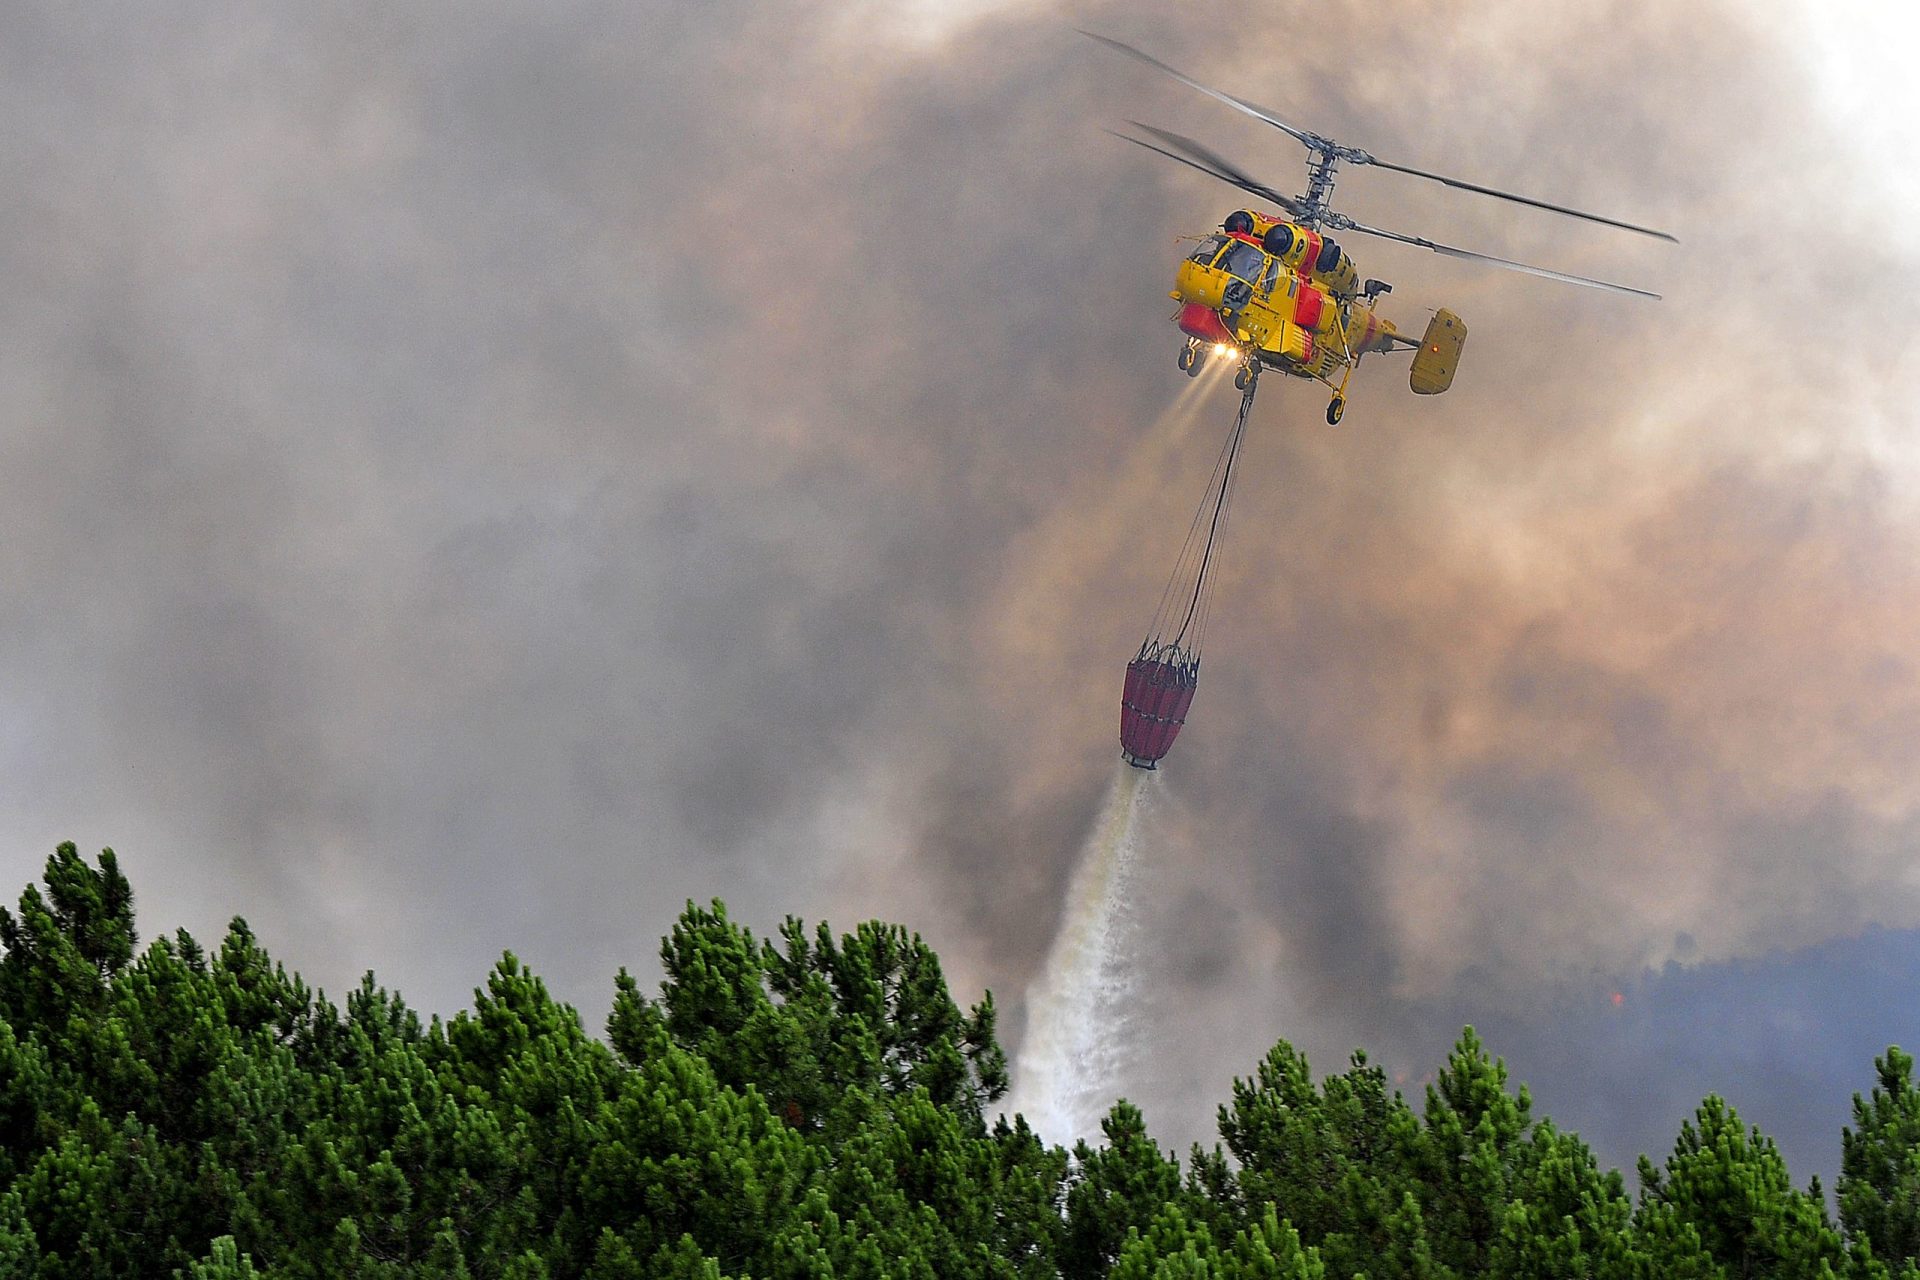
column 1243, row 260
column 1208, row 248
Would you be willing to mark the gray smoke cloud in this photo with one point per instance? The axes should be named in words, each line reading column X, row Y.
column 477, row 479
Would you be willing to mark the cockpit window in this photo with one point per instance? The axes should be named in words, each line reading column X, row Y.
column 1243, row 260
column 1209, row 248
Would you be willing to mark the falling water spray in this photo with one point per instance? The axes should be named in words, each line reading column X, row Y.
column 1079, row 1010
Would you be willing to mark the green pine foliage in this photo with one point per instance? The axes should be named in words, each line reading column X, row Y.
column 806, row 1106
column 1880, row 1166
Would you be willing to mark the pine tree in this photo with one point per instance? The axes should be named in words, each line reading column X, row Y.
column 1470, row 1153
column 811, row 1107
column 1724, row 1196
column 1312, row 1153
column 1564, row 1218
column 1879, row 1186
column 808, row 1023
column 1172, row 1247
column 1121, row 1187
column 63, row 949
column 1270, row 1249
column 224, row 1261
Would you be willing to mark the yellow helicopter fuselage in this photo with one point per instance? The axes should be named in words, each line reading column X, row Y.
column 1288, row 297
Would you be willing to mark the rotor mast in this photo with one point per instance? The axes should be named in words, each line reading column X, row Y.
column 1323, row 156
column 1313, row 201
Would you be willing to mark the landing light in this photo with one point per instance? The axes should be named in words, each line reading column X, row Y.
column 1219, row 348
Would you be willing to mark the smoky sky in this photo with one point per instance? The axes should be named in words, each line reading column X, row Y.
column 475, row 478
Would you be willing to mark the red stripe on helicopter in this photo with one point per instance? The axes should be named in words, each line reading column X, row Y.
column 1307, row 307
column 1197, row 320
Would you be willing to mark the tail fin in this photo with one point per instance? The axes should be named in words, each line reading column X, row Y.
column 1439, row 355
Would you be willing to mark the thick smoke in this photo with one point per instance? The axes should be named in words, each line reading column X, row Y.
column 477, row 480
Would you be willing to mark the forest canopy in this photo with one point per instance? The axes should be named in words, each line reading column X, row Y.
column 806, row 1105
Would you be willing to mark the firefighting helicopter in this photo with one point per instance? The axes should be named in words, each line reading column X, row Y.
column 1278, row 292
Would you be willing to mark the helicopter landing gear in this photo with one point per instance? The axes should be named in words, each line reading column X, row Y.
column 1190, row 359
column 1336, row 407
column 1244, row 378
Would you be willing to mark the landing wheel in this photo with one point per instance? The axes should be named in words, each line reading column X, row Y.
column 1188, row 359
column 1336, row 407
column 1244, row 378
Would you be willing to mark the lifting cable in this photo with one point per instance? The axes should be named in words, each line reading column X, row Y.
column 1197, row 600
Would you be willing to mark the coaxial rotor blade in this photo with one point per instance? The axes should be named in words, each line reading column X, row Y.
column 1208, row 162
column 1376, row 162
column 1344, row 223
column 1354, row 156
column 1238, row 104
